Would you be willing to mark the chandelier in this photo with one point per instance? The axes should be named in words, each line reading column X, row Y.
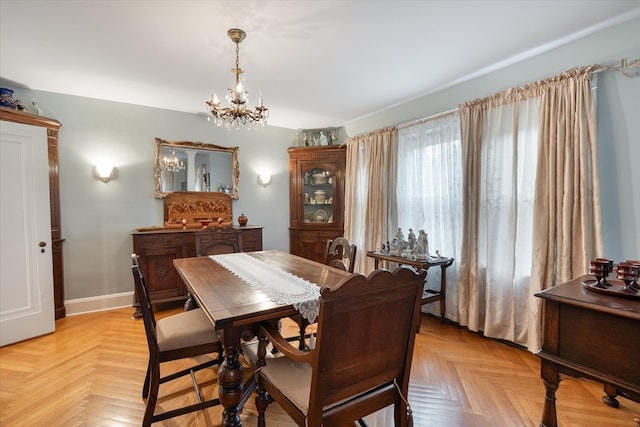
column 237, row 113
column 172, row 163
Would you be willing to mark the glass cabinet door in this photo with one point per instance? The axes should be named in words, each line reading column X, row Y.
column 318, row 195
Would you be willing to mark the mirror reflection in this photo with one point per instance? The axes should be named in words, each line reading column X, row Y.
column 195, row 166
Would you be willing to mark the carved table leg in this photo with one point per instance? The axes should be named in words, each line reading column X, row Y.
column 443, row 290
column 230, row 375
column 551, row 380
column 610, row 397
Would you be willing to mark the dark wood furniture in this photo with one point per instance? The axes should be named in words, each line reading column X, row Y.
column 218, row 240
column 157, row 250
column 235, row 307
column 214, row 241
column 592, row 335
column 10, row 115
column 180, row 336
column 428, row 295
column 335, row 384
column 341, row 254
column 316, row 194
column 157, row 247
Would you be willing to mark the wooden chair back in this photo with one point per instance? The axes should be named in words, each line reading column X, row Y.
column 354, row 320
column 341, row 254
column 362, row 356
column 182, row 335
column 146, row 309
column 218, row 240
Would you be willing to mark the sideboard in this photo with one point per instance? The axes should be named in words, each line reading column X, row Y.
column 591, row 335
column 157, row 250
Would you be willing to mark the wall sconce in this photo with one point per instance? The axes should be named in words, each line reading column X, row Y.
column 264, row 179
column 105, row 172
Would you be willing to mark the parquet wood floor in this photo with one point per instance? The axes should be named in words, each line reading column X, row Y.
column 90, row 373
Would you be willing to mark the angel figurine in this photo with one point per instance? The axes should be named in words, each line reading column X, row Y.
column 423, row 242
column 323, row 139
column 333, row 137
column 411, row 238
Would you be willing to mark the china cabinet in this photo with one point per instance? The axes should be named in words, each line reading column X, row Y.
column 316, row 181
column 52, row 127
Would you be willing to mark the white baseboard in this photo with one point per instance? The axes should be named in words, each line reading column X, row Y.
column 99, row 303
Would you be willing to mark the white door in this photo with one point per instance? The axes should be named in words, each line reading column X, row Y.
column 26, row 265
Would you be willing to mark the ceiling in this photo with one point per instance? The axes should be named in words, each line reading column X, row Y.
column 317, row 63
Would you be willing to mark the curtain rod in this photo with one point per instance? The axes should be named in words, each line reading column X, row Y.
column 623, row 68
column 426, row 119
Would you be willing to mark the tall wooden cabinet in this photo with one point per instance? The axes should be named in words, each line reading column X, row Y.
column 316, row 192
column 52, row 126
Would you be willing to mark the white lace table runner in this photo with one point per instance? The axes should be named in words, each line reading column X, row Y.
column 278, row 285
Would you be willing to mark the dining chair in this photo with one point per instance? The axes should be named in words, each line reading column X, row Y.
column 341, row 254
column 214, row 241
column 218, row 240
column 184, row 335
column 348, row 374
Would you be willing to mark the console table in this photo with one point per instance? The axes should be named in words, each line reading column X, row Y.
column 428, row 295
column 591, row 335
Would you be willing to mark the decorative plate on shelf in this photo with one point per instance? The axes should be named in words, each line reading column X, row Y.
column 321, row 216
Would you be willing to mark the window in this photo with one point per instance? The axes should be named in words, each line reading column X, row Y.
column 429, row 191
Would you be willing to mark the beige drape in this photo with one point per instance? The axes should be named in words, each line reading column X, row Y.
column 370, row 192
column 566, row 227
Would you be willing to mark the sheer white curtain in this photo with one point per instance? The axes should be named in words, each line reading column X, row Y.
column 505, row 219
column 429, row 193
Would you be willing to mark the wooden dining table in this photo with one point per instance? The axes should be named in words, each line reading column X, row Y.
column 235, row 307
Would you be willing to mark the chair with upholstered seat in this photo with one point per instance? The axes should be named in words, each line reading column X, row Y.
column 348, row 374
column 184, row 335
column 341, row 254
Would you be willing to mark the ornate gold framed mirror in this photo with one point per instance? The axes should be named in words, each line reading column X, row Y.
column 195, row 166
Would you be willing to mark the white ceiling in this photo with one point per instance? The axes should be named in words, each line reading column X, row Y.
column 318, row 63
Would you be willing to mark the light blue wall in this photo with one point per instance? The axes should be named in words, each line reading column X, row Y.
column 618, row 110
column 97, row 218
